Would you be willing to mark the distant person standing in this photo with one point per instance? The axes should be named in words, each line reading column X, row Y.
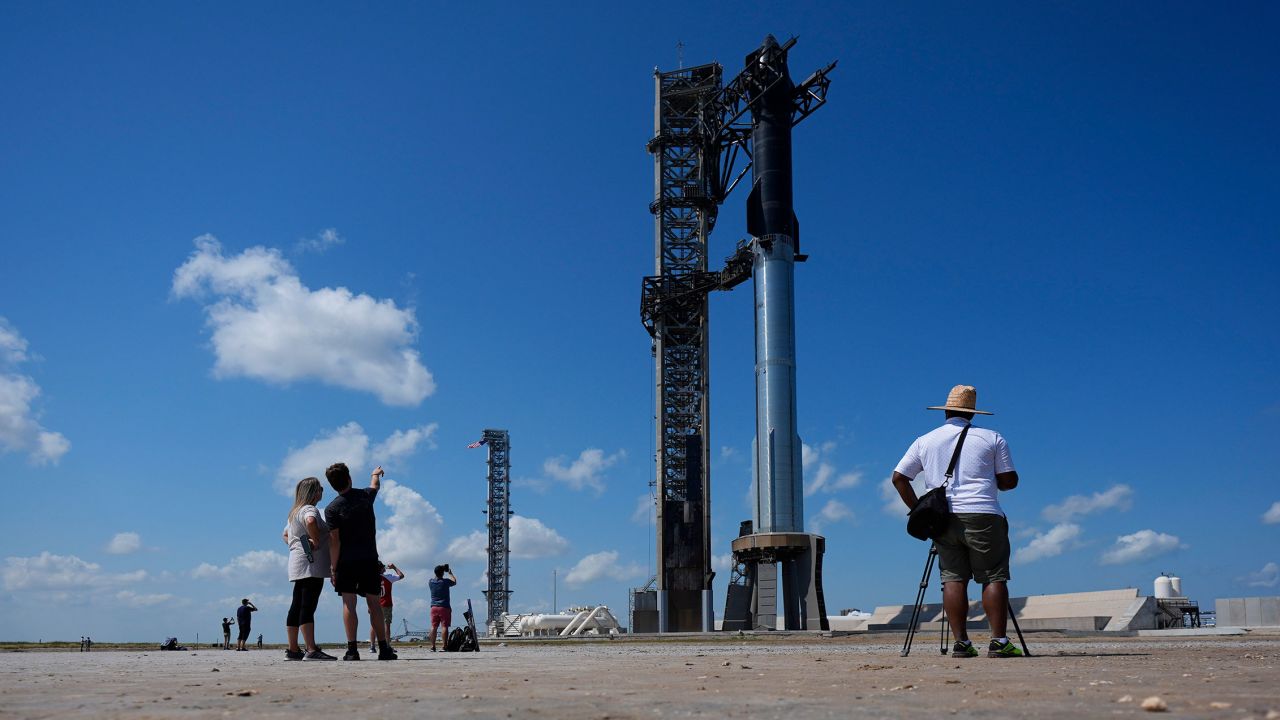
column 384, row 600
column 307, row 535
column 259, row 641
column 441, row 612
column 975, row 544
column 353, row 554
column 244, row 618
column 226, row 633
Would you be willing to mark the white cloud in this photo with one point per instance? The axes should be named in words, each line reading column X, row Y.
column 1272, row 516
column 728, row 452
column 267, row 325
column 410, row 535
column 820, row 475
column 326, row 239
column 256, row 567
column 1142, row 545
column 645, row 509
column 472, row 546
column 403, row 443
column 585, row 472
column 348, row 444
column 262, row 602
column 529, row 539
column 601, row 565
column 48, row 572
column 1048, row 544
column 20, row 428
column 125, row 543
column 893, row 504
column 1118, row 497
column 13, row 347
column 722, row 563
column 832, row 512
column 141, row 600
column 1268, row 576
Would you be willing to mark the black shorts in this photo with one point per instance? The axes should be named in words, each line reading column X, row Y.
column 244, row 632
column 361, row 577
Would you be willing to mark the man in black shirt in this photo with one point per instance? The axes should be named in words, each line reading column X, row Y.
column 244, row 618
column 353, row 554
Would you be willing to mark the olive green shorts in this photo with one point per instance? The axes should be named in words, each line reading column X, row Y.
column 974, row 546
column 386, row 615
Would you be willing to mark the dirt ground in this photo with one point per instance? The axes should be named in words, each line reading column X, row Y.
column 794, row 677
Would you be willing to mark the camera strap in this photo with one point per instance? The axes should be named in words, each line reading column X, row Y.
column 955, row 456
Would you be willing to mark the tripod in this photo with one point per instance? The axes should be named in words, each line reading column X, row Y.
column 915, row 613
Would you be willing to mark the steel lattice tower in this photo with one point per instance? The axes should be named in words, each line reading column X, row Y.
column 499, row 512
column 674, row 309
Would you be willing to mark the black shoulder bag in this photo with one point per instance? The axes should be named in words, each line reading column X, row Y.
column 929, row 518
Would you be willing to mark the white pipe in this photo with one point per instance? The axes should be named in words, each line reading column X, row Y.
column 568, row 630
column 590, row 616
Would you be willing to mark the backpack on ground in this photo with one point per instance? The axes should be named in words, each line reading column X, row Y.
column 454, row 642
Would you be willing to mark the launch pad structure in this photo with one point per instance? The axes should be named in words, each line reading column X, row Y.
column 703, row 130
column 498, row 509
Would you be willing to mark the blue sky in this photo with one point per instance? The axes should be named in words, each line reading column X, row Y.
column 240, row 242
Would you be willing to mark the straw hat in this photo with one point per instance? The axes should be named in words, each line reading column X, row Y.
column 962, row 398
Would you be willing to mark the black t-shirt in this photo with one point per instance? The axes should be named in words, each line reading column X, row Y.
column 226, row 626
column 351, row 514
column 244, row 615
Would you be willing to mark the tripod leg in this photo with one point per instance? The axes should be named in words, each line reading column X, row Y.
column 915, row 613
column 1021, row 640
column 944, row 634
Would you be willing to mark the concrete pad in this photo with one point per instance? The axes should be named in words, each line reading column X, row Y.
column 792, row 677
column 1193, row 632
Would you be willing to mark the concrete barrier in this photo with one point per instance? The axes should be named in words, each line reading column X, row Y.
column 1248, row 612
column 1111, row 610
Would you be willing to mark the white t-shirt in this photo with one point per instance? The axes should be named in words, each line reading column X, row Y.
column 299, row 568
column 984, row 455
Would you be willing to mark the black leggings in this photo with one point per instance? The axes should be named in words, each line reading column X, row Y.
column 306, row 595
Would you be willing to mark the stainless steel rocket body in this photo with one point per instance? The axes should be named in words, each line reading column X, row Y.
column 771, row 219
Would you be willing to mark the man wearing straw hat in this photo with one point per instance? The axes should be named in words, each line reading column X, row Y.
column 976, row 542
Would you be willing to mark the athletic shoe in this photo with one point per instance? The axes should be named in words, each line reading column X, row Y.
column 352, row 655
column 1002, row 650
column 387, row 653
column 294, row 654
column 964, row 649
column 373, row 648
column 319, row 654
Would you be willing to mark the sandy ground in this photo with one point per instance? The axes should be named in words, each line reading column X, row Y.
column 1211, row 677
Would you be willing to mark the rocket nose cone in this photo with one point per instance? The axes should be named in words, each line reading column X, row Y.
column 769, row 41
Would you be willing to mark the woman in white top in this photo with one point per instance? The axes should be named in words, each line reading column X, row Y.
column 307, row 536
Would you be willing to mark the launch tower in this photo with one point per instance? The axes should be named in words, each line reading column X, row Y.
column 703, row 128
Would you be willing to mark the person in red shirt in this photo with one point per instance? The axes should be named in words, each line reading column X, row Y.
column 385, row 600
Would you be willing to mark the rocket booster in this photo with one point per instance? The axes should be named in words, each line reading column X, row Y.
column 779, row 482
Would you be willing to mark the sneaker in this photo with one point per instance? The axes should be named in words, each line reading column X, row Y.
column 998, row 649
column 373, row 648
column 294, row 654
column 386, row 653
column 964, row 649
column 319, row 654
column 352, row 655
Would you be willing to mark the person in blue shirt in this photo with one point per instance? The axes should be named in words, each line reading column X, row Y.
column 441, row 613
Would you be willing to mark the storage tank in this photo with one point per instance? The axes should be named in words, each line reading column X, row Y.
column 1164, row 588
column 1176, row 582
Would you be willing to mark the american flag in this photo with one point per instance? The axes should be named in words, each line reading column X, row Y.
column 477, row 444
